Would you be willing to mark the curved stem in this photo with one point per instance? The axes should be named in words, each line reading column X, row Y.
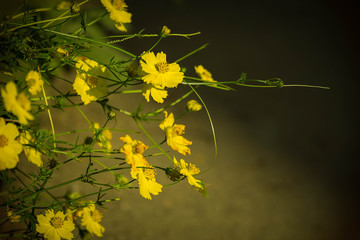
column 152, row 140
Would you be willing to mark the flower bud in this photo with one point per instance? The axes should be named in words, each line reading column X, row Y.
column 193, row 106
column 75, row 8
column 165, row 31
column 111, row 115
column 173, row 174
column 14, row 218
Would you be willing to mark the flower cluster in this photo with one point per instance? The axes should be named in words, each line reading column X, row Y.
column 46, row 73
column 55, row 226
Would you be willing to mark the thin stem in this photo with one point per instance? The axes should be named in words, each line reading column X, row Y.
column 49, row 113
column 91, row 23
column 191, row 53
column 43, row 21
column 186, row 35
column 212, row 128
column 152, row 140
column 128, row 91
column 170, row 105
column 308, row 86
column 92, row 40
column 30, row 12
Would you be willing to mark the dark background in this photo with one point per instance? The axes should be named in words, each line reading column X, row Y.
column 288, row 162
column 302, row 42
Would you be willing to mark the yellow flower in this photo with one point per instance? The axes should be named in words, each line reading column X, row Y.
column 104, row 138
column 165, row 31
column 133, row 150
column 204, row 74
column 140, row 168
column 18, row 104
column 193, row 106
column 188, row 170
column 87, row 83
column 62, row 51
column 147, row 182
column 31, row 153
column 34, row 82
column 91, row 218
column 156, row 93
column 54, row 226
column 173, row 134
column 9, row 147
column 160, row 73
column 13, row 217
column 118, row 12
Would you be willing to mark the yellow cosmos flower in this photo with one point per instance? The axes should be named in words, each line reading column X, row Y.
column 91, row 218
column 34, row 82
column 18, row 104
column 204, row 74
column 118, row 12
column 13, row 217
column 54, row 226
column 133, row 150
column 104, row 138
column 140, row 168
column 62, row 52
column 9, row 147
column 193, row 106
column 173, row 134
column 147, row 182
column 160, row 73
column 87, row 83
column 156, row 93
column 188, row 170
column 31, row 153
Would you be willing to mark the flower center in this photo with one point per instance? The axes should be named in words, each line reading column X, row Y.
column 118, row 4
column 162, row 67
column 3, row 141
column 57, row 222
column 150, row 173
column 23, row 101
column 31, row 82
column 206, row 75
column 179, row 129
column 193, row 169
column 97, row 215
column 140, row 148
column 92, row 81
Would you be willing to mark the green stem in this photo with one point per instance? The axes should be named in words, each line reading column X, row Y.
column 212, row 128
column 92, row 40
column 308, row 86
column 91, row 23
column 152, row 140
column 43, row 21
column 186, row 35
column 128, row 91
column 170, row 105
column 191, row 53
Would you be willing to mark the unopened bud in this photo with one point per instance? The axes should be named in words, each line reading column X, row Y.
column 75, row 8
column 173, row 174
column 165, row 31
column 111, row 115
column 193, row 106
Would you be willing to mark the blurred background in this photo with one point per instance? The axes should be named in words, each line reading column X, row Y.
column 288, row 159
